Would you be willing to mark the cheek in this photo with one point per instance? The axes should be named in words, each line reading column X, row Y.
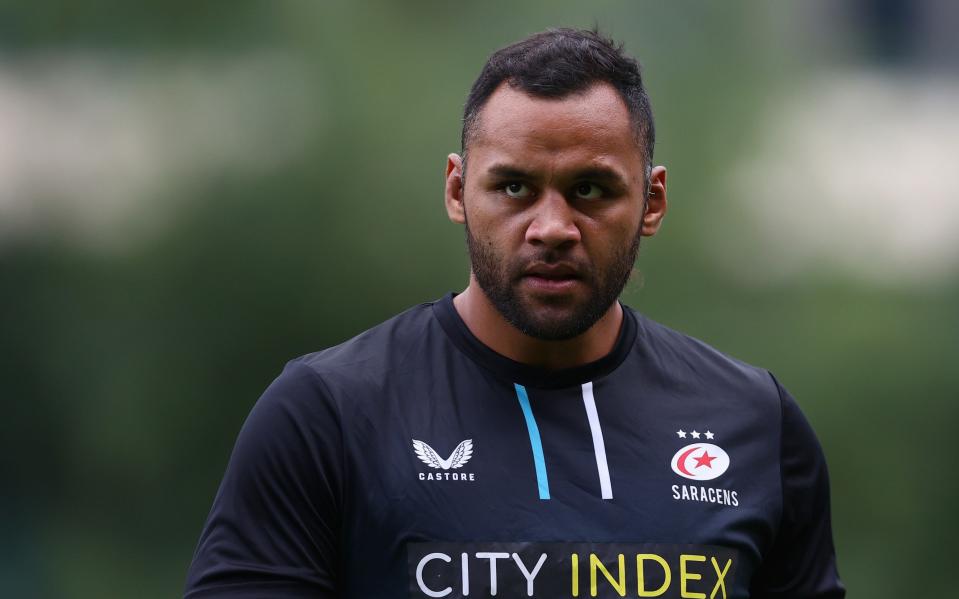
column 494, row 225
column 606, row 239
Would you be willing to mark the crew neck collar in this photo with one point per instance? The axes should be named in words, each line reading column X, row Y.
column 526, row 374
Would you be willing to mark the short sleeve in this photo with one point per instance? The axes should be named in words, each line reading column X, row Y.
column 274, row 526
column 802, row 561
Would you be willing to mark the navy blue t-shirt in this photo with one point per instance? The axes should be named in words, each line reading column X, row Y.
column 413, row 461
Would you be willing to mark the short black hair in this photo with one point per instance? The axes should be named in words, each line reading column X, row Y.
column 558, row 62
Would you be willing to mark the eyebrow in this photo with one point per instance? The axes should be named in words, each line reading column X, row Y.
column 595, row 173
column 504, row 171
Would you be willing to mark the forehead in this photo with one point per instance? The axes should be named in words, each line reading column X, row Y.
column 592, row 126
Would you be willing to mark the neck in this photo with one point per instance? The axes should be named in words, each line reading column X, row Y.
column 488, row 325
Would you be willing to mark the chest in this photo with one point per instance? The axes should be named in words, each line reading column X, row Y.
column 475, row 484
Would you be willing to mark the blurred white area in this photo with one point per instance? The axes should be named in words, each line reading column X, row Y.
column 95, row 147
column 857, row 173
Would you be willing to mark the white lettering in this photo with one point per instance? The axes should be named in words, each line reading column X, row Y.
column 527, row 574
column 447, row 476
column 705, row 494
column 492, row 557
column 419, row 574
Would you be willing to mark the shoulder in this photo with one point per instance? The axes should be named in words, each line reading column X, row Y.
column 315, row 391
column 385, row 345
column 688, row 367
column 399, row 344
column 682, row 357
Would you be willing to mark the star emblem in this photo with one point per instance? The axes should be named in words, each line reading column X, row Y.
column 681, row 433
column 705, row 460
column 709, row 435
column 695, row 434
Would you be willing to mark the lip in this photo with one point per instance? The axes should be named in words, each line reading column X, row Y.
column 545, row 285
column 551, row 278
column 552, row 271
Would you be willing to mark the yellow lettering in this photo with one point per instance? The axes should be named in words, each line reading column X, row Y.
column 640, row 558
column 596, row 564
column 575, row 575
column 684, row 575
column 721, row 577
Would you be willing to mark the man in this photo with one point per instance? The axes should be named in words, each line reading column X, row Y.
column 530, row 436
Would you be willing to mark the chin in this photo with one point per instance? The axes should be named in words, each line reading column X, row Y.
column 552, row 322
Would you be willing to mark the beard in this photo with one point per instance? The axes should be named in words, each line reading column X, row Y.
column 556, row 319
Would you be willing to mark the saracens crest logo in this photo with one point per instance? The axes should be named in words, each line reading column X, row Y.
column 701, row 461
column 460, row 456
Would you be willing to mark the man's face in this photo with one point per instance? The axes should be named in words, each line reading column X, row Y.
column 553, row 206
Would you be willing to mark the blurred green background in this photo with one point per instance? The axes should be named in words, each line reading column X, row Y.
column 193, row 193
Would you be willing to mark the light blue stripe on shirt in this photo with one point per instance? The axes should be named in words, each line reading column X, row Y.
column 539, row 460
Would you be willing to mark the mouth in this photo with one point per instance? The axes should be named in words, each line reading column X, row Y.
column 551, row 278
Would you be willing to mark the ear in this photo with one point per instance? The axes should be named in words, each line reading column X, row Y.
column 454, row 189
column 655, row 202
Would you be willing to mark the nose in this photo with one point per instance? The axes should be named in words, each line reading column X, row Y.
column 553, row 223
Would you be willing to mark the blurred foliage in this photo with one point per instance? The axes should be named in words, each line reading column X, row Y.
column 127, row 372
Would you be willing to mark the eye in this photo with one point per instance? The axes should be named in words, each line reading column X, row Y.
column 517, row 190
column 588, row 191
